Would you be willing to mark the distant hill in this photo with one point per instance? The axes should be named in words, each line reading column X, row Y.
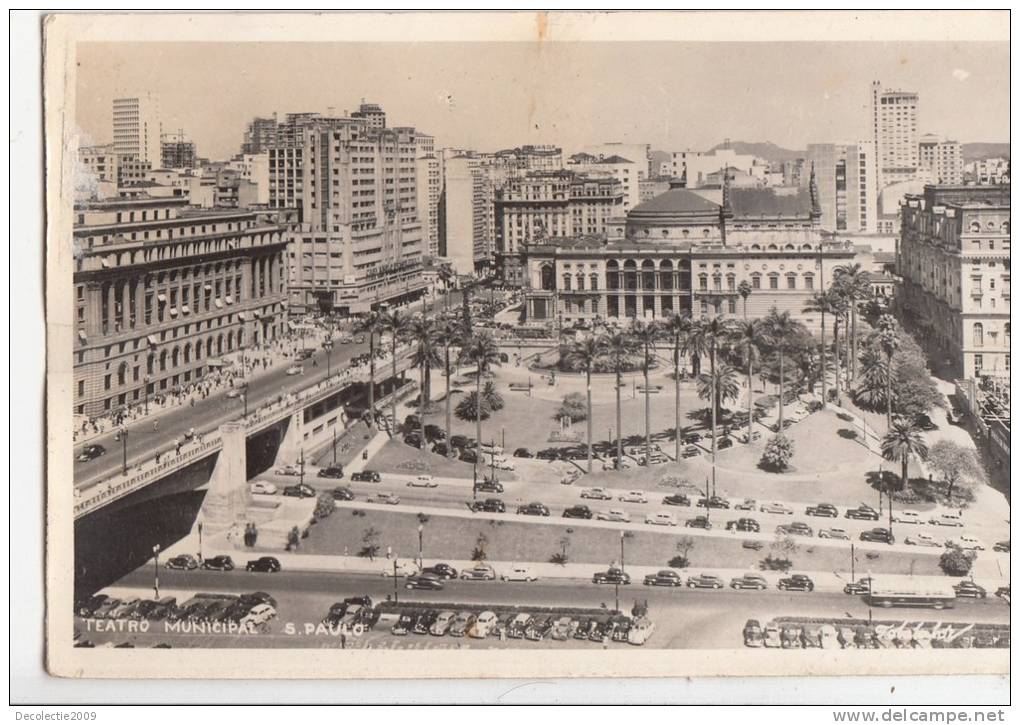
column 978, row 151
column 763, row 149
column 659, row 157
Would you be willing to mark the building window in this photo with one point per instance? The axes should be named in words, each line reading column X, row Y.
column 979, row 363
column 566, row 282
column 809, row 281
column 791, row 281
column 732, row 307
column 979, row 334
column 703, row 282
column 774, row 281
column 755, row 281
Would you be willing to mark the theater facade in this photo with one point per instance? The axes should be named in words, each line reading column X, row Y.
column 683, row 252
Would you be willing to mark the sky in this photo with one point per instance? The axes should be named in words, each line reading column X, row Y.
column 487, row 96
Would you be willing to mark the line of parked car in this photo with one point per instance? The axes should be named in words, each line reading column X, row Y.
column 834, row 635
column 222, row 562
column 251, row 611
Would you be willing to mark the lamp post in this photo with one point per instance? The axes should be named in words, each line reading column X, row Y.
column 421, row 557
column 200, row 540
column 145, row 381
column 334, row 445
column 244, row 397
column 396, row 589
column 123, row 440
column 853, row 573
column 302, row 463
column 155, row 570
column 622, row 536
column 616, row 586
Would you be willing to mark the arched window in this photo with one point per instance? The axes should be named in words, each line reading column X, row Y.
column 731, row 282
column 755, row 247
column 706, row 232
column 630, row 275
column 612, row 275
column 566, row 281
column 703, row 282
column 975, row 226
column 790, row 247
column 593, row 278
column 773, row 247
column 717, row 282
column 666, row 275
column 122, row 373
column 187, row 353
column 979, row 334
column 686, row 232
column 665, row 233
column 548, row 278
column 175, row 357
column 648, row 274
column 162, row 361
column 150, row 363
column 580, row 280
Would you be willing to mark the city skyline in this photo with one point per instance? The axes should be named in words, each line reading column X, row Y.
column 806, row 92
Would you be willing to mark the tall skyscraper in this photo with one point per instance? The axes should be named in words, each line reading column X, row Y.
column 894, row 130
column 941, row 159
column 137, row 129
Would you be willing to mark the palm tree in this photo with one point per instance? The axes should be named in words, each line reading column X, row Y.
column 708, row 334
column 889, row 342
column 480, row 350
column 902, row 442
column 872, row 385
column 645, row 335
column 370, row 324
column 748, row 339
column 853, row 281
column 720, row 385
column 744, row 288
column 446, row 276
column 619, row 347
column 584, row 354
column 423, row 332
column 840, row 313
column 677, row 328
column 822, row 302
column 781, row 328
column 396, row 324
column 448, row 335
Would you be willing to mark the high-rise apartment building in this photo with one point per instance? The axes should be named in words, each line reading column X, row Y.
column 895, row 135
column 940, row 159
column 429, row 189
column 177, row 152
column 847, row 189
column 260, row 135
column 137, row 128
column 953, row 258
column 371, row 114
column 464, row 209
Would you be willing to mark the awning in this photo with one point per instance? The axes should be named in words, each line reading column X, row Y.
column 185, row 309
column 173, row 311
column 256, row 314
column 208, row 288
column 161, row 298
column 214, row 362
column 106, row 264
column 81, row 335
column 283, row 304
column 291, row 324
column 230, row 300
column 242, row 315
column 153, row 340
column 219, row 302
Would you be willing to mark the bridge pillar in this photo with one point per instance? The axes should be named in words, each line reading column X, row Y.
column 293, row 441
column 228, row 497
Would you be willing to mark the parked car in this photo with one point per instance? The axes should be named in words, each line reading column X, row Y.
column 288, row 469
column 796, row 583
column 468, row 456
column 1001, row 546
column 538, row 628
column 219, row 563
column 878, row 535
column 753, row 634
column 334, row 471
column 182, row 561
column 822, row 509
column 459, row 441
column 479, row 571
column 661, row 518
column 489, row 485
column 258, row 616
column 640, row 631
column 434, row 433
column 91, row 452
column 775, row 507
column 295, row 370
column 299, row 490
column 518, row 573
column 811, row 637
column 748, row 504
column 966, row 542
column 834, row 532
column 749, row 581
column 442, row 624
column 772, row 637
column 861, row 586
column 862, row 513
column 713, row 502
column 618, row 515
column 611, row 576
column 264, row 564
column 390, row 499
column 263, row 487
column 907, row 517
column 342, row 493
column 743, row 524
column 441, row 449
column 705, row 581
column 400, row 569
column 414, row 440
column 88, row 607
column 922, row 539
column 967, row 588
column 753, row 545
column 424, row 580
column 797, row 528
column 690, row 452
column 664, row 578
column 518, row 626
column 403, row 624
column 367, row 475
column 423, row 481
column 599, row 494
column 676, row 499
column 489, row 505
column 634, row 497
column 698, row 522
column 579, row 511
column 523, row 453
column 483, row 625
column 533, row 509
column 441, row 570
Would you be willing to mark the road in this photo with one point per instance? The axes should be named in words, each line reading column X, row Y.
column 684, row 618
column 207, row 414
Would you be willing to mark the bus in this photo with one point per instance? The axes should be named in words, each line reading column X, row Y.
column 910, row 592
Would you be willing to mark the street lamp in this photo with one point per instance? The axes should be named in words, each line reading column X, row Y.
column 145, row 381
column 622, row 536
column 244, row 397
column 123, row 440
column 302, row 480
column 155, row 570
column 421, row 558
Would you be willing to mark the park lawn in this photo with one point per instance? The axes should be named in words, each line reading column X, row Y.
column 451, row 537
column 348, row 446
column 398, row 457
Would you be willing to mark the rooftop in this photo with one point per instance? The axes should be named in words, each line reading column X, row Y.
column 675, row 201
column 769, row 202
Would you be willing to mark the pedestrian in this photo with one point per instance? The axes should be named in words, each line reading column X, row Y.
column 157, row 458
column 178, row 449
